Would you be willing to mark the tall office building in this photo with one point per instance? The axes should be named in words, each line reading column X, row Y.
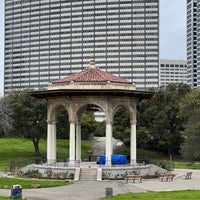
column 46, row 40
column 193, row 43
column 172, row 71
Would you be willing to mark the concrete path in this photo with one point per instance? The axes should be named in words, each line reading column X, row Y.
column 179, row 183
column 95, row 190
column 82, row 190
column 100, row 145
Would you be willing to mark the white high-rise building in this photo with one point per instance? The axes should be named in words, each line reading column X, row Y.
column 193, row 43
column 46, row 40
column 172, row 71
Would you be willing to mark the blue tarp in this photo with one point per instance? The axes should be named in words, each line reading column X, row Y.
column 116, row 159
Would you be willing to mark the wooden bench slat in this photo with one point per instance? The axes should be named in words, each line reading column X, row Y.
column 188, row 175
column 133, row 178
column 167, row 177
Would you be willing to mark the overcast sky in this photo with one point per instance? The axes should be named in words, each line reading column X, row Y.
column 172, row 32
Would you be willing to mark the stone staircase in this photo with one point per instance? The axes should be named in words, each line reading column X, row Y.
column 88, row 174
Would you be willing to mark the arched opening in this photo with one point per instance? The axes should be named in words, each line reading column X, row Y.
column 90, row 122
column 124, row 131
column 91, row 128
column 79, row 131
column 121, row 131
column 62, row 125
column 58, row 128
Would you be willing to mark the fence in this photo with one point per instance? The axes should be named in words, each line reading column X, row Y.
column 16, row 165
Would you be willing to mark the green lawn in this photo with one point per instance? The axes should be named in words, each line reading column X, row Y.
column 182, row 165
column 174, row 195
column 4, row 198
column 12, row 149
column 27, row 183
column 17, row 149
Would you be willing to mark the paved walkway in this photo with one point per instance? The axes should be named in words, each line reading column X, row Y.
column 86, row 190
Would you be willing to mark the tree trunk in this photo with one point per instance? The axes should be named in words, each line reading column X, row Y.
column 36, row 146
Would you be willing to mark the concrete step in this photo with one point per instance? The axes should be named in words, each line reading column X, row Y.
column 88, row 174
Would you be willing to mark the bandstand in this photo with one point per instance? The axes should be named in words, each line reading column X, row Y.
column 74, row 93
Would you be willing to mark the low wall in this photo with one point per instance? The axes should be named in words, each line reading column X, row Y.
column 114, row 172
column 52, row 172
column 121, row 172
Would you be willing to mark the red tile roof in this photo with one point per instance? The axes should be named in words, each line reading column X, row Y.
column 92, row 74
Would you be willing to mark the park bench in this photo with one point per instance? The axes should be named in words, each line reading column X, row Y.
column 188, row 175
column 133, row 178
column 167, row 177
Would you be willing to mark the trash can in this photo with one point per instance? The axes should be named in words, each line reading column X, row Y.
column 109, row 192
column 16, row 191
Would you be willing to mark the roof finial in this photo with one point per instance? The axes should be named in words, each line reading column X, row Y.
column 92, row 63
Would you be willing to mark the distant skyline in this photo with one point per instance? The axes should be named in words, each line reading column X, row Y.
column 172, row 32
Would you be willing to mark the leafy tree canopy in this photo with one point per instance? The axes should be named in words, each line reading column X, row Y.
column 159, row 125
column 190, row 111
column 29, row 117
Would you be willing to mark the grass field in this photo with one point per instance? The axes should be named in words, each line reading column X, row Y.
column 27, row 183
column 183, row 165
column 17, row 149
column 3, row 198
column 174, row 195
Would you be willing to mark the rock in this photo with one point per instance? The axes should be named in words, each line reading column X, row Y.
column 36, row 186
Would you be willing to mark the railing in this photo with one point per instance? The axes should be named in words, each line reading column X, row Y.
column 17, row 165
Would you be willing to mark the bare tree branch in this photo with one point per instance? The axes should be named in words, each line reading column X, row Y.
column 5, row 115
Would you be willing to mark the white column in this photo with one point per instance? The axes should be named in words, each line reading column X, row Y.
column 78, row 142
column 133, row 143
column 72, row 144
column 54, row 142
column 109, row 147
column 51, row 143
column 49, row 135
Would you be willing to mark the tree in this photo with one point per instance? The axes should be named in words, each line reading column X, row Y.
column 5, row 116
column 121, row 126
column 29, row 115
column 159, row 124
column 190, row 111
column 190, row 149
column 88, row 125
column 100, row 128
column 62, row 126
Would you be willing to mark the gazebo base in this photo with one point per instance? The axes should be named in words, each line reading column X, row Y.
column 61, row 170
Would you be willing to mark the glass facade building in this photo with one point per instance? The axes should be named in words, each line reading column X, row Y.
column 46, row 40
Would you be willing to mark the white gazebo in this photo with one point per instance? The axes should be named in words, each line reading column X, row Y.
column 74, row 93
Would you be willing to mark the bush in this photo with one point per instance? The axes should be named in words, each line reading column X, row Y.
column 33, row 174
